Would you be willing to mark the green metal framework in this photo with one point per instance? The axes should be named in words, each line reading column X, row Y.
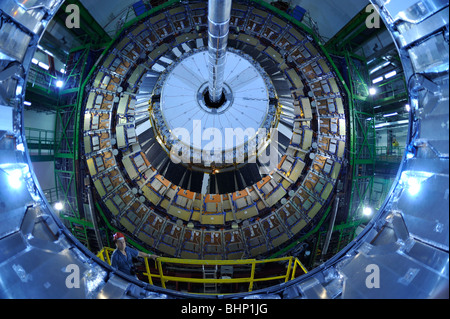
column 68, row 177
column 362, row 126
column 40, row 144
column 66, row 150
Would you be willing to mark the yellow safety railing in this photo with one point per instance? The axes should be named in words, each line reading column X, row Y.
column 291, row 269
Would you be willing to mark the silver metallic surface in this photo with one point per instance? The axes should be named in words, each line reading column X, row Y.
column 218, row 25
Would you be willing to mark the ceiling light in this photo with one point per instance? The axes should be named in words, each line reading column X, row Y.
column 59, row 206
column 367, row 211
column 381, row 125
column 374, row 81
column 49, row 53
column 43, row 65
column 390, row 74
column 59, row 83
column 372, row 91
column 379, row 67
column 390, row 114
column 407, row 107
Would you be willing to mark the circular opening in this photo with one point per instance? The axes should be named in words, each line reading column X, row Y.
column 211, row 104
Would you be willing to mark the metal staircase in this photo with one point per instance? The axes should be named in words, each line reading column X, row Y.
column 210, row 272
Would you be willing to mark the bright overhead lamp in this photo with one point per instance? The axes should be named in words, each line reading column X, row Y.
column 44, row 66
column 367, row 211
column 390, row 74
column 59, row 206
column 381, row 125
column 59, row 83
column 407, row 107
column 385, row 64
column 390, row 114
column 377, row 80
column 372, row 91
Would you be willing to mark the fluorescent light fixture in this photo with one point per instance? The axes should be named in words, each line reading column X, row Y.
column 372, row 91
column 379, row 67
column 390, row 74
column 381, row 125
column 407, row 107
column 59, row 83
column 26, row 103
column 374, row 81
column 59, row 206
column 62, row 71
column 392, row 123
column 34, row 61
column 43, row 65
column 390, row 114
column 49, row 53
column 367, row 211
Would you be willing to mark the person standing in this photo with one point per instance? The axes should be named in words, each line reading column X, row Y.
column 122, row 257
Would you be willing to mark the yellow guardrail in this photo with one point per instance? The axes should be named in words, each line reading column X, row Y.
column 292, row 265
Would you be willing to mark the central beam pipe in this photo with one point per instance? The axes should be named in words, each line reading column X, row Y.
column 219, row 12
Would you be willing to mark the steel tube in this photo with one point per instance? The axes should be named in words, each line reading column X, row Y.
column 219, row 12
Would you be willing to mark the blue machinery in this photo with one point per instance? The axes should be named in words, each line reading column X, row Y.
column 406, row 243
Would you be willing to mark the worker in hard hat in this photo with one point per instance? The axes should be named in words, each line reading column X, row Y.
column 122, row 257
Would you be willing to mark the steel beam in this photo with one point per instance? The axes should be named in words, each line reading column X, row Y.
column 219, row 12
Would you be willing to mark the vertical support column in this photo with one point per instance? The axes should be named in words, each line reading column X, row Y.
column 330, row 227
column 219, row 12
